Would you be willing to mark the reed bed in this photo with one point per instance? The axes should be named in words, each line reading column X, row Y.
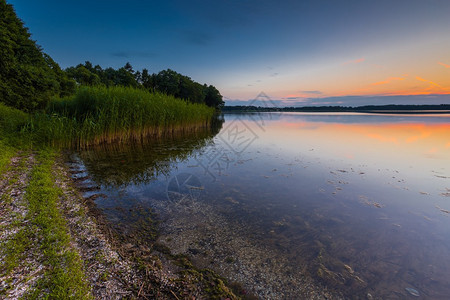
column 98, row 115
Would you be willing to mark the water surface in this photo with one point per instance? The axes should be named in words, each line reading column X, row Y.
column 297, row 205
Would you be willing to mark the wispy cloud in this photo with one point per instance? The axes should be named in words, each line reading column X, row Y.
column 429, row 81
column 293, row 98
column 433, row 87
column 274, row 75
column 390, row 79
column 354, row 62
column 442, row 64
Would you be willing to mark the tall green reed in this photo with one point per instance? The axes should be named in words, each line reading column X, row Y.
column 97, row 115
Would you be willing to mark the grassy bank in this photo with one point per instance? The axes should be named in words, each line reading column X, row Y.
column 99, row 114
column 40, row 252
column 64, row 276
column 40, row 241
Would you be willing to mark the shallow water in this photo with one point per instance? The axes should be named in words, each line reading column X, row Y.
column 295, row 205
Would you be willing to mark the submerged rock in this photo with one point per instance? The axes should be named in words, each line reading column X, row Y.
column 412, row 291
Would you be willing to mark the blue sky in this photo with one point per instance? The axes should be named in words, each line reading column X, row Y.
column 297, row 52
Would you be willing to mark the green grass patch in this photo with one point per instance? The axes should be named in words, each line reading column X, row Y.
column 64, row 277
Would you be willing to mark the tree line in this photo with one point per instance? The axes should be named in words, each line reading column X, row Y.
column 166, row 81
column 29, row 78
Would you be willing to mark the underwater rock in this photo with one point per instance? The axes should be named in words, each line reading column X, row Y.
column 413, row 292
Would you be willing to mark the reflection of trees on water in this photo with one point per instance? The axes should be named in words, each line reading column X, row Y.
column 123, row 164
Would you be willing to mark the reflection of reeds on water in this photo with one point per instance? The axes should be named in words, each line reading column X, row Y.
column 117, row 164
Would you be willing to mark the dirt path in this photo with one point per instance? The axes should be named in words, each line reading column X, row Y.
column 21, row 267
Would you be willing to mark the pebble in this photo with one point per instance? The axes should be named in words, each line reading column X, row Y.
column 412, row 291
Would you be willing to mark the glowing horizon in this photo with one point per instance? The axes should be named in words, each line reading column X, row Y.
column 294, row 51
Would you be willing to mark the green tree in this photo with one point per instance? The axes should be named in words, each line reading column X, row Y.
column 213, row 97
column 146, row 80
column 28, row 77
column 82, row 75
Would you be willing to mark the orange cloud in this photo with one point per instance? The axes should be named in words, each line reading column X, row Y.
column 442, row 64
column 353, row 62
column 429, row 81
column 448, row 145
column 388, row 80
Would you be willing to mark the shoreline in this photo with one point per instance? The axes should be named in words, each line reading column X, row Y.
column 191, row 231
column 112, row 266
column 117, row 264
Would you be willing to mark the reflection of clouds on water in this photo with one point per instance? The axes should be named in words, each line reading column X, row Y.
column 381, row 216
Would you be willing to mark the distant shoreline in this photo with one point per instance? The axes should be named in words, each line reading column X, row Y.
column 377, row 109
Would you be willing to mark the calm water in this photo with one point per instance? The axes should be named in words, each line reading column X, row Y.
column 353, row 205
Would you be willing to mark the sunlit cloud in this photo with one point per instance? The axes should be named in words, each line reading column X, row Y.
column 442, row 64
column 353, row 62
column 390, row 79
column 428, row 81
column 434, row 87
column 448, row 145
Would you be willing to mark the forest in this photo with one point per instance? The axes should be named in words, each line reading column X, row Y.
column 30, row 78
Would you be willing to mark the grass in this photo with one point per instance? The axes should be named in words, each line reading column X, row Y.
column 11, row 120
column 105, row 114
column 43, row 233
column 12, row 249
column 64, row 277
column 6, row 153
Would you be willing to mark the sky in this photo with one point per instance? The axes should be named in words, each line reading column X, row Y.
column 298, row 53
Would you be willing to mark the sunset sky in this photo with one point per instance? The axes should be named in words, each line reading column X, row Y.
column 297, row 52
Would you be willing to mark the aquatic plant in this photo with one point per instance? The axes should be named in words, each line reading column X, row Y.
column 100, row 114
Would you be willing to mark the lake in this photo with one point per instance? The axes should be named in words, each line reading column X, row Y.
column 295, row 205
